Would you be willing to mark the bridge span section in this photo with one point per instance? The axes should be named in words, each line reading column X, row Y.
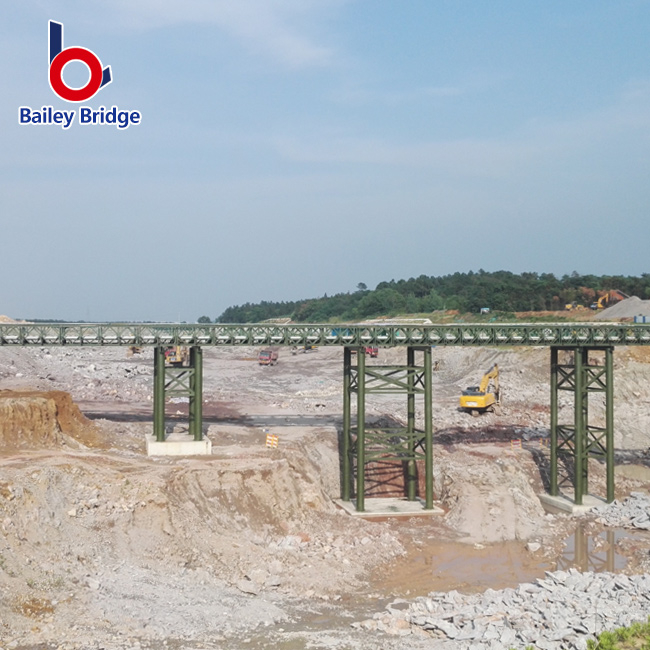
column 391, row 335
column 581, row 364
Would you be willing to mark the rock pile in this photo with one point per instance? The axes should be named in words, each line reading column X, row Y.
column 633, row 512
column 561, row 611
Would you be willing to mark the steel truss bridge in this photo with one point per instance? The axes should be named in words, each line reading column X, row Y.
column 490, row 335
column 581, row 363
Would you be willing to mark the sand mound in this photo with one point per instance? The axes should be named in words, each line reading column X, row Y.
column 36, row 420
column 6, row 319
column 628, row 308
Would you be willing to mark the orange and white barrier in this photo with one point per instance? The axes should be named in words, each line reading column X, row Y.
column 271, row 441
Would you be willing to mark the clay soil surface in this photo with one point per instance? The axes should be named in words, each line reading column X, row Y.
column 104, row 547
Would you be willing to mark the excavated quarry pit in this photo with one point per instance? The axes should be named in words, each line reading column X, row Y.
column 102, row 547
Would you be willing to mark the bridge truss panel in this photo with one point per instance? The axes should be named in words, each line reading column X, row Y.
column 467, row 334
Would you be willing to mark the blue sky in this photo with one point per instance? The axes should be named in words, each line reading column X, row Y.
column 291, row 148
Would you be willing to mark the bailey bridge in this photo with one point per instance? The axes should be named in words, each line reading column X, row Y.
column 581, row 363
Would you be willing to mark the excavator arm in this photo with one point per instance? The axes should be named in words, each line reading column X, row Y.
column 492, row 375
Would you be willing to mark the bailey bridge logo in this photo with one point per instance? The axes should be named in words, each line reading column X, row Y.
column 98, row 77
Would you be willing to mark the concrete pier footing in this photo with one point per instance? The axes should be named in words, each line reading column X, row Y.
column 178, row 444
column 388, row 507
column 562, row 503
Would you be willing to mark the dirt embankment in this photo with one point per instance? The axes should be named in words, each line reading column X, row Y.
column 109, row 533
column 35, row 420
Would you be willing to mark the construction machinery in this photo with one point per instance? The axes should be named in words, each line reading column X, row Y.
column 177, row 355
column 485, row 397
column 371, row 351
column 304, row 349
column 267, row 357
column 608, row 299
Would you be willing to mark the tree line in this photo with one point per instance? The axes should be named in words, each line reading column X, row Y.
column 466, row 292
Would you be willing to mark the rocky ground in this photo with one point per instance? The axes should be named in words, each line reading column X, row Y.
column 564, row 609
column 103, row 547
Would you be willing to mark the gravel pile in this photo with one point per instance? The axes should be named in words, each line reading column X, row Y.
column 628, row 308
column 633, row 512
column 561, row 611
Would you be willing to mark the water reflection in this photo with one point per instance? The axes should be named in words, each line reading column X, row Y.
column 595, row 552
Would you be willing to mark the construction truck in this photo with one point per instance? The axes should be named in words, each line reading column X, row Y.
column 267, row 357
column 371, row 351
column 485, row 397
column 177, row 355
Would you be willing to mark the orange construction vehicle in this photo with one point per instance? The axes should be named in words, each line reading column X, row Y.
column 371, row 351
column 267, row 357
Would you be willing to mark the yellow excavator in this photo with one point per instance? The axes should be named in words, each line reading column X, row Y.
column 486, row 397
column 608, row 299
column 177, row 356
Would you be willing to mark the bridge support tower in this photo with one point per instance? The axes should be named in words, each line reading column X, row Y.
column 178, row 381
column 363, row 444
column 584, row 372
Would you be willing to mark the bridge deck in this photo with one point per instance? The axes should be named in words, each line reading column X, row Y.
column 466, row 334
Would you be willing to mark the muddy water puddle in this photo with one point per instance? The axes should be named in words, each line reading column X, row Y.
column 442, row 566
column 446, row 565
column 637, row 472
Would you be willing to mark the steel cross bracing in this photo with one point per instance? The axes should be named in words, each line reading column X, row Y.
column 490, row 335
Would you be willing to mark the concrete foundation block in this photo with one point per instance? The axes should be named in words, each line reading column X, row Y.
column 388, row 507
column 178, row 445
column 564, row 503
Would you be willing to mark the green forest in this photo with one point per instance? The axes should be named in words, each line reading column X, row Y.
column 500, row 291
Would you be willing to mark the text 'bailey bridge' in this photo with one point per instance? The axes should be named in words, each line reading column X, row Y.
column 581, row 364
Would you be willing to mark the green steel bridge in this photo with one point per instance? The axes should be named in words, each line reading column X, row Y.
column 488, row 335
column 581, row 364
